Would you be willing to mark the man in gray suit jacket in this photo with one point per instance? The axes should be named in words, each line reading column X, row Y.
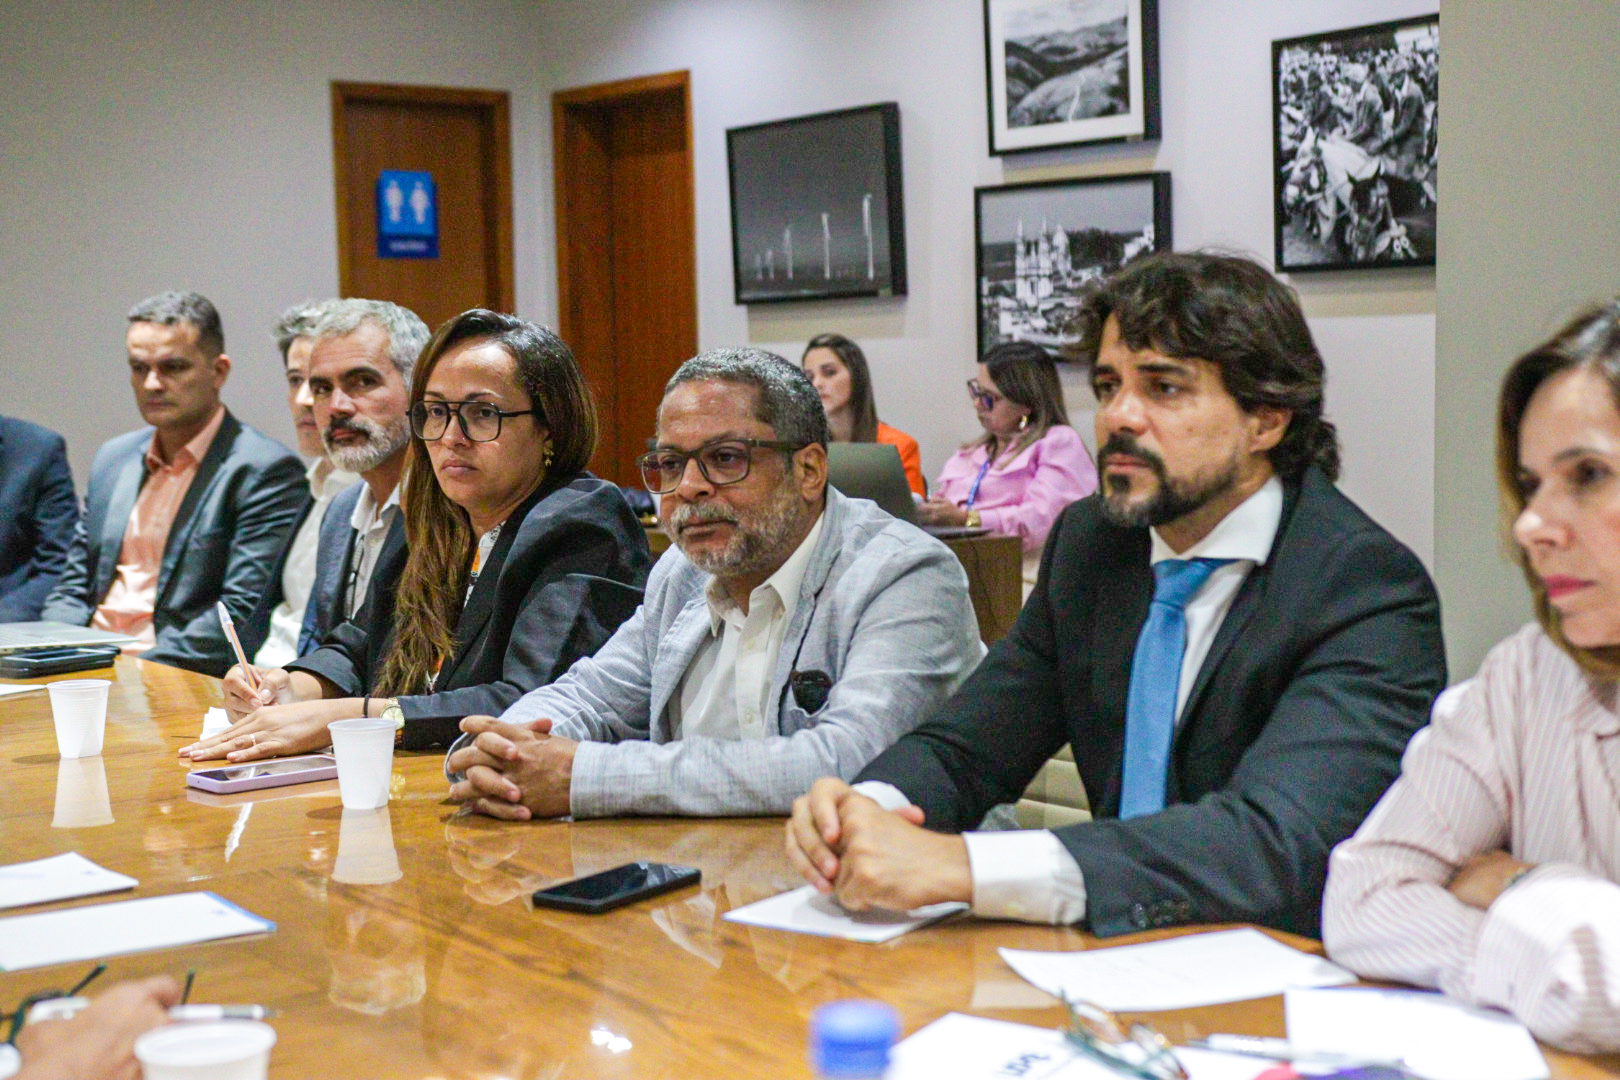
column 791, row 631
column 182, row 514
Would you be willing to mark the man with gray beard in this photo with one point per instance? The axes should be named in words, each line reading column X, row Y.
column 360, row 382
column 1234, row 651
column 790, row 633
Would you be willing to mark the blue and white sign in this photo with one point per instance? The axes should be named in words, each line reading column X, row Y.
column 407, row 215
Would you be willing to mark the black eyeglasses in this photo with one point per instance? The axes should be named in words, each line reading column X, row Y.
column 480, row 421
column 984, row 399
column 723, row 462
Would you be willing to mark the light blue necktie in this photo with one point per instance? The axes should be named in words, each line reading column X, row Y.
column 1150, row 707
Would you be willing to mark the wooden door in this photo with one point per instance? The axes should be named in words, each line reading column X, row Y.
column 626, row 249
column 460, row 137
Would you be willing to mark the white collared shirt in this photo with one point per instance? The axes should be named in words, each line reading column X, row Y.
column 298, row 576
column 1028, row 874
column 371, row 524
column 724, row 693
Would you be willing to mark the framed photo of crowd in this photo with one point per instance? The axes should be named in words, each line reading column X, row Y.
column 816, row 206
column 1042, row 245
column 1068, row 72
column 1355, row 123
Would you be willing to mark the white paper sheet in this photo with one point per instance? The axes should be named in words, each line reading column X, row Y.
column 973, row 1048
column 1437, row 1038
column 8, row 689
column 1180, row 973
column 59, row 877
column 215, row 720
column 806, row 911
column 125, row 926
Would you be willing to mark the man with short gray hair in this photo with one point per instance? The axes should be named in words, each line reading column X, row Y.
column 791, row 630
column 182, row 514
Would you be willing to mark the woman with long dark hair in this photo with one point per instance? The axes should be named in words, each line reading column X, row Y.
column 517, row 561
column 837, row 368
column 1029, row 463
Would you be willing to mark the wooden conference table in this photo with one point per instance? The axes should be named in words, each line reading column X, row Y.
column 446, row 972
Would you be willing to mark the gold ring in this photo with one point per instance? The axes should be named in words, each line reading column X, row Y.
column 254, row 736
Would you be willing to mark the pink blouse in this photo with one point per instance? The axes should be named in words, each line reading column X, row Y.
column 1524, row 757
column 1023, row 496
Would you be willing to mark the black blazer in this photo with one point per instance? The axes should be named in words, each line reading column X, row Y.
column 334, row 562
column 36, row 488
column 1324, row 667
column 234, row 519
column 566, row 570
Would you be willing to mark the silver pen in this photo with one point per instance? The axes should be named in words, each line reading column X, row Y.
column 1282, row 1050
column 220, row 1012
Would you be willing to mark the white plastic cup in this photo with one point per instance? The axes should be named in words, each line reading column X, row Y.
column 365, row 761
column 81, row 794
column 216, row 1050
column 79, row 709
column 365, row 854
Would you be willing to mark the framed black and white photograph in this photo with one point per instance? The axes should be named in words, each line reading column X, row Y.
column 1355, row 121
column 1066, row 72
column 816, row 208
column 1041, row 245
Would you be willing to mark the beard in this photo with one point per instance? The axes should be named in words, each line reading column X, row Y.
column 382, row 442
column 1174, row 498
column 757, row 539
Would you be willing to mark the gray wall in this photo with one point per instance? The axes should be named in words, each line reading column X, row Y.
column 1530, row 229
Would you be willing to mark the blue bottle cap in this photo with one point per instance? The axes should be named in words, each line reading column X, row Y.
column 852, row 1038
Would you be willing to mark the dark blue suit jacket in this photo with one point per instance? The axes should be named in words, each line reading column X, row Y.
column 233, row 521
column 36, row 530
column 334, row 560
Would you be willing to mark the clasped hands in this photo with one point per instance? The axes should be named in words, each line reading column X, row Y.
column 513, row 771
column 867, row 857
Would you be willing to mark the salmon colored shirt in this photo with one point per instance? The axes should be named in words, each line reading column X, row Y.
column 131, row 601
column 910, row 456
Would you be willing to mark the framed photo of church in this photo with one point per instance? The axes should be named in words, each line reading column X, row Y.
column 1042, row 245
column 1067, row 72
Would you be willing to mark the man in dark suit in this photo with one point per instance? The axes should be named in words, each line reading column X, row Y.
column 36, row 488
column 182, row 514
column 1235, row 652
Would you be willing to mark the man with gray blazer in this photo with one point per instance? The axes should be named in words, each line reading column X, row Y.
column 790, row 632
column 182, row 514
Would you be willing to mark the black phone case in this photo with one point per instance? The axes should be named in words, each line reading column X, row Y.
column 21, row 665
column 688, row 875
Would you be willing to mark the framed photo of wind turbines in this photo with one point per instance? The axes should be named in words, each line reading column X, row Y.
column 816, row 206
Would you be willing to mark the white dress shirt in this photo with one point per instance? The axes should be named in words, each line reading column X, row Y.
column 371, row 522
column 723, row 693
column 298, row 576
column 1028, row 874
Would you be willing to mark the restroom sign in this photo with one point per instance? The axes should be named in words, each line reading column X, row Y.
column 407, row 215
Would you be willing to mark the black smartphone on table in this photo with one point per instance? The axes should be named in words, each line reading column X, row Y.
column 31, row 663
column 617, row 887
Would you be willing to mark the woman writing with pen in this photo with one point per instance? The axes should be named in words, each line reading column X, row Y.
column 1027, row 466
column 517, row 561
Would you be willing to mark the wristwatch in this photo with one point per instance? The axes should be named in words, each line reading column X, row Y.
column 393, row 713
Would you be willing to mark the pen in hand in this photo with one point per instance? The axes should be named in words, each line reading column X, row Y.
column 229, row 626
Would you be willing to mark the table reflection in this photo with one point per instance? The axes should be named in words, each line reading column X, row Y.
column 81, row 794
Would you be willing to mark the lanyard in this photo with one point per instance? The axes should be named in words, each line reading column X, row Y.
column 973, row 492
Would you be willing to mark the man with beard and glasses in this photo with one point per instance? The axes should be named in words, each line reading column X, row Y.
column 790, row 633
column 1234, row 651
column 185, row 513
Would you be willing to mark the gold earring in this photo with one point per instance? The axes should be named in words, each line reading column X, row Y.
column 546, row 461
column 1023, row 422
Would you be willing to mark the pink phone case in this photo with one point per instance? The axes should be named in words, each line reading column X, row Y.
column 241, row 778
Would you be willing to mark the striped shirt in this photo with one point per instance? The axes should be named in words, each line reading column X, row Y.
column 1523, row 758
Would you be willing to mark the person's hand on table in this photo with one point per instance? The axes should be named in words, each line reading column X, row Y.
column 940, row 512
column 275, row 688
column 513, row 771
column 275, row 731
column 98, row 1043
column 1481, row 879
column 868, row 857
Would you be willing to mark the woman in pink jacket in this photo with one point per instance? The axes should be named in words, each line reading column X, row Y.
column 1027, row 466
column 1491, row 869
